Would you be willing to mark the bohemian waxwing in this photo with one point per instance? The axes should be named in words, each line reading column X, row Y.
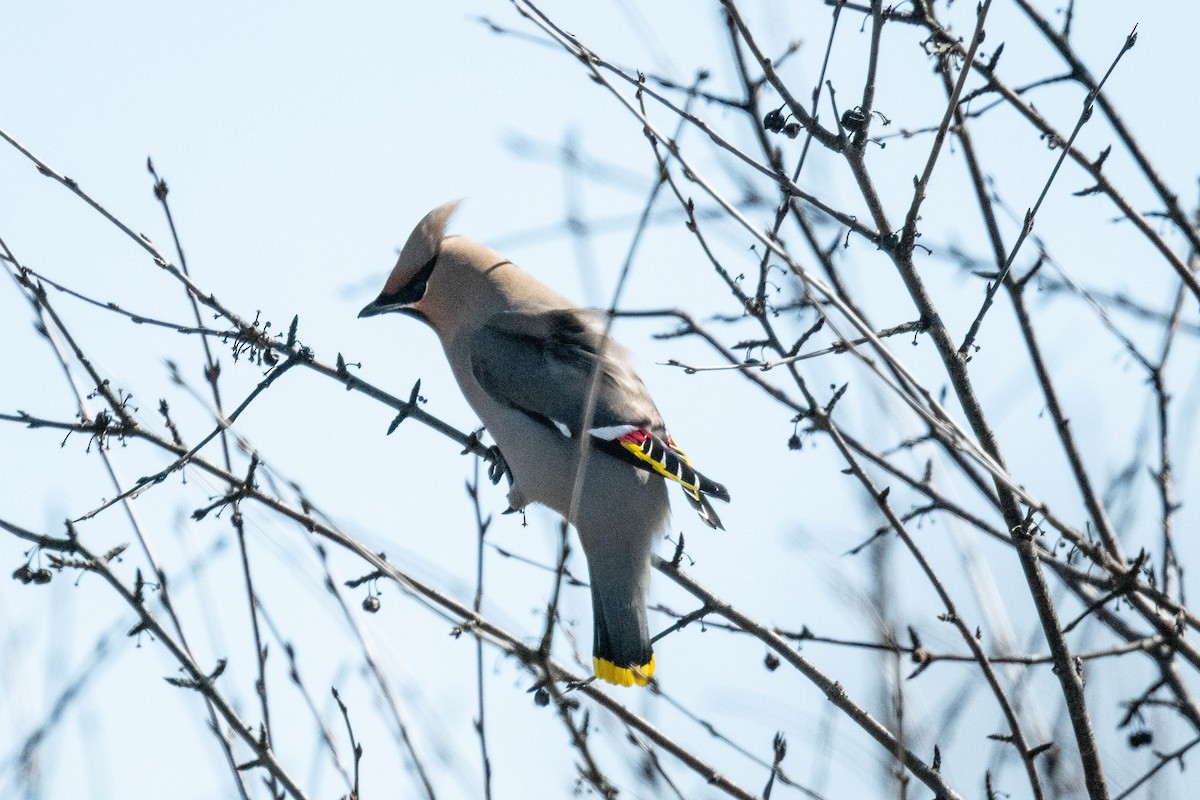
column 525, row 358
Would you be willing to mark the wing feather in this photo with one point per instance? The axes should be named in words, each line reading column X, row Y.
column 542, row 364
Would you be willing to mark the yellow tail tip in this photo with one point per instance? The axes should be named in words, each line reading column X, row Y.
column 623, row 676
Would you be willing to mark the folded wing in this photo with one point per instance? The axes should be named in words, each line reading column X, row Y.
column 543, row 364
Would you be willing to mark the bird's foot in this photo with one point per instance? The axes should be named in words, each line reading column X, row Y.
column 497, row 466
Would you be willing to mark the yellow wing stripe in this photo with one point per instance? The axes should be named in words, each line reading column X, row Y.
column 623, row 676
column 642, row 451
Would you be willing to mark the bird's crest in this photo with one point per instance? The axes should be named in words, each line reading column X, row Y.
column 422, row 245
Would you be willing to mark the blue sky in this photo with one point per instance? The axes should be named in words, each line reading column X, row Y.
column 300, row 149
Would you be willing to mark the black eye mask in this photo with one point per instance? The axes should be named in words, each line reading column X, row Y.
column 412, row 291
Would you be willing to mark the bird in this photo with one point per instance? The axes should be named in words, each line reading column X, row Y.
column 527, row 359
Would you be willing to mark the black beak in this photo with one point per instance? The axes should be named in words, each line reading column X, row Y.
column 381, row 306
column 371, row 309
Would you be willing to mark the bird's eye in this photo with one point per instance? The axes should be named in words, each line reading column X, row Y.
column 415, row 289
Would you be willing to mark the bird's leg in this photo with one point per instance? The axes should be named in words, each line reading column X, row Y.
column 498, row 467
column 497, row 470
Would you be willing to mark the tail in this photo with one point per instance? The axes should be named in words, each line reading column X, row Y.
column 621, row 652
column 619, row 519
column 618, row 557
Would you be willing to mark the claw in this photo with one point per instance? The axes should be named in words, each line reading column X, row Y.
column 498, row 467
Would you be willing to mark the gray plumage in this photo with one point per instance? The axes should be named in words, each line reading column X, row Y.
column 524, row 357
column 563, row 348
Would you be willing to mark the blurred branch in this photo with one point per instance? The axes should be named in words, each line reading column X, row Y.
column 916, row 460
column 1081, row 74
column 194, row 678
column 833, row 690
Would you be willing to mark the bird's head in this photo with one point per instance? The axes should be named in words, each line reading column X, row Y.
column 408, row 286
column 454, row 284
